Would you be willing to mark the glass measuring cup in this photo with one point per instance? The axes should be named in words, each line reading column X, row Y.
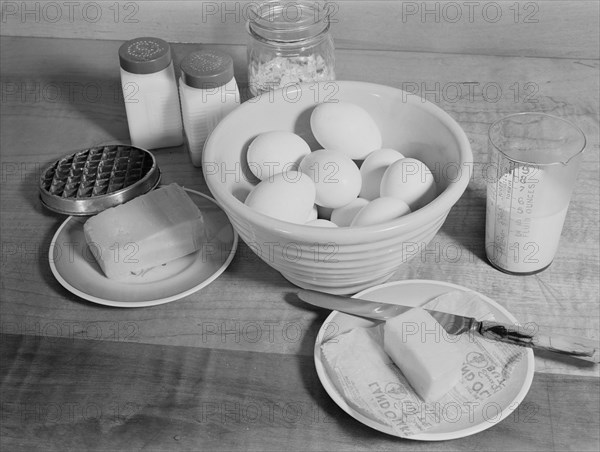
column 533, row 163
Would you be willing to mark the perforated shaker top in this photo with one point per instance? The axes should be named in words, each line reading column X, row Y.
column 145, row 55
column 207, row 69
column 94, row 179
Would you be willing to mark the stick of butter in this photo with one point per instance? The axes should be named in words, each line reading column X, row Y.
column 429, row 358
column 150, row 230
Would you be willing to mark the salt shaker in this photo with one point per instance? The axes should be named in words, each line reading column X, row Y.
column 208, row 92
column 150, row 93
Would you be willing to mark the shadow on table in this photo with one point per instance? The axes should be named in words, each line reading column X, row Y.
column 329, row 411
column 570, row 361
column 466, row 222
column 46, row 273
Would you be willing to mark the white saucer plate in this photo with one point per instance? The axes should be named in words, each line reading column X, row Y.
column 74, row 266
column 417, row 293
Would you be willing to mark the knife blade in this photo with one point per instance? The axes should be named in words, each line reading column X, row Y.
column 576, row 347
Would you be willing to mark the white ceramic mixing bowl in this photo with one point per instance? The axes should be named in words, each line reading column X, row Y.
column 338, row 260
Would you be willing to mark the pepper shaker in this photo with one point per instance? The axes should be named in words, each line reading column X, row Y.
column 208, row 92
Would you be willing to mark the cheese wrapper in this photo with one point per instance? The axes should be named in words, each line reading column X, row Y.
column 153, row 229
column 372, row 384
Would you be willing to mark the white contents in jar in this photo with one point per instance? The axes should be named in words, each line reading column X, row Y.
column 283, row 71
column 524, row 220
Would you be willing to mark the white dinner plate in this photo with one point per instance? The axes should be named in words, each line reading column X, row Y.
column 75, row 267
column 417, row 293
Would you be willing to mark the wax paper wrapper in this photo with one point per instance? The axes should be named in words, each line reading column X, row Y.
column 374, row 386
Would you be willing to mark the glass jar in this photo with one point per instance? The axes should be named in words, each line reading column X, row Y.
column 288, row 43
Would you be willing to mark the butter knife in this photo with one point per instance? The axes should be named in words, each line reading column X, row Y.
column 576, row 347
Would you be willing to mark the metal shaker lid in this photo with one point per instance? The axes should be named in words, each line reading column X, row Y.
column 207, row 69
column 92, row 180
column 145, row 55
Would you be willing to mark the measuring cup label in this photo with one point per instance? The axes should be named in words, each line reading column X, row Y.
column 523, row 227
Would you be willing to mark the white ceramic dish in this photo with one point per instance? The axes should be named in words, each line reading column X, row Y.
column 76, row 269
column 338, row 260
column 417, row 293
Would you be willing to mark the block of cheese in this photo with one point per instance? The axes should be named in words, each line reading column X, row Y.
column 150, row 230
column 429, row 358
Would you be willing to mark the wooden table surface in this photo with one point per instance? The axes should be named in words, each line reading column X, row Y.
column 188, row 375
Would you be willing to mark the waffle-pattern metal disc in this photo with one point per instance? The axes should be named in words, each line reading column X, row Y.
column 94, row 179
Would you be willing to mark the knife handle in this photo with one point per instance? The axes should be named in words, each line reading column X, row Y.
column 582, row 348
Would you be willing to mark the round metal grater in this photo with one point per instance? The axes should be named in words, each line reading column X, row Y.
column 92, row 180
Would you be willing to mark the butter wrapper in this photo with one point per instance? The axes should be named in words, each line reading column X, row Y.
column 374, row 386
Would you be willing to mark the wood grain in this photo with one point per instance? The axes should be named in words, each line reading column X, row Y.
column 542, row 28
column 37, row 129
column 231, row 366
column 78, row 394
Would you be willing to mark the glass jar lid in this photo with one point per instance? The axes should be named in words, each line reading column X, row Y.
column 288, row 22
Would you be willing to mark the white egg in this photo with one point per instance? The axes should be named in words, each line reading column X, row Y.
column 380, row 210
column 314, row 213
column 322, row 223
column 336, row 177
column 343, row 216
column 274, row 152
column 372, row 170
column 345, row 127
column 410, row 180
column 288, row 196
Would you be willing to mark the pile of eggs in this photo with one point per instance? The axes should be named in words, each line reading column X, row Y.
column 351, row 181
